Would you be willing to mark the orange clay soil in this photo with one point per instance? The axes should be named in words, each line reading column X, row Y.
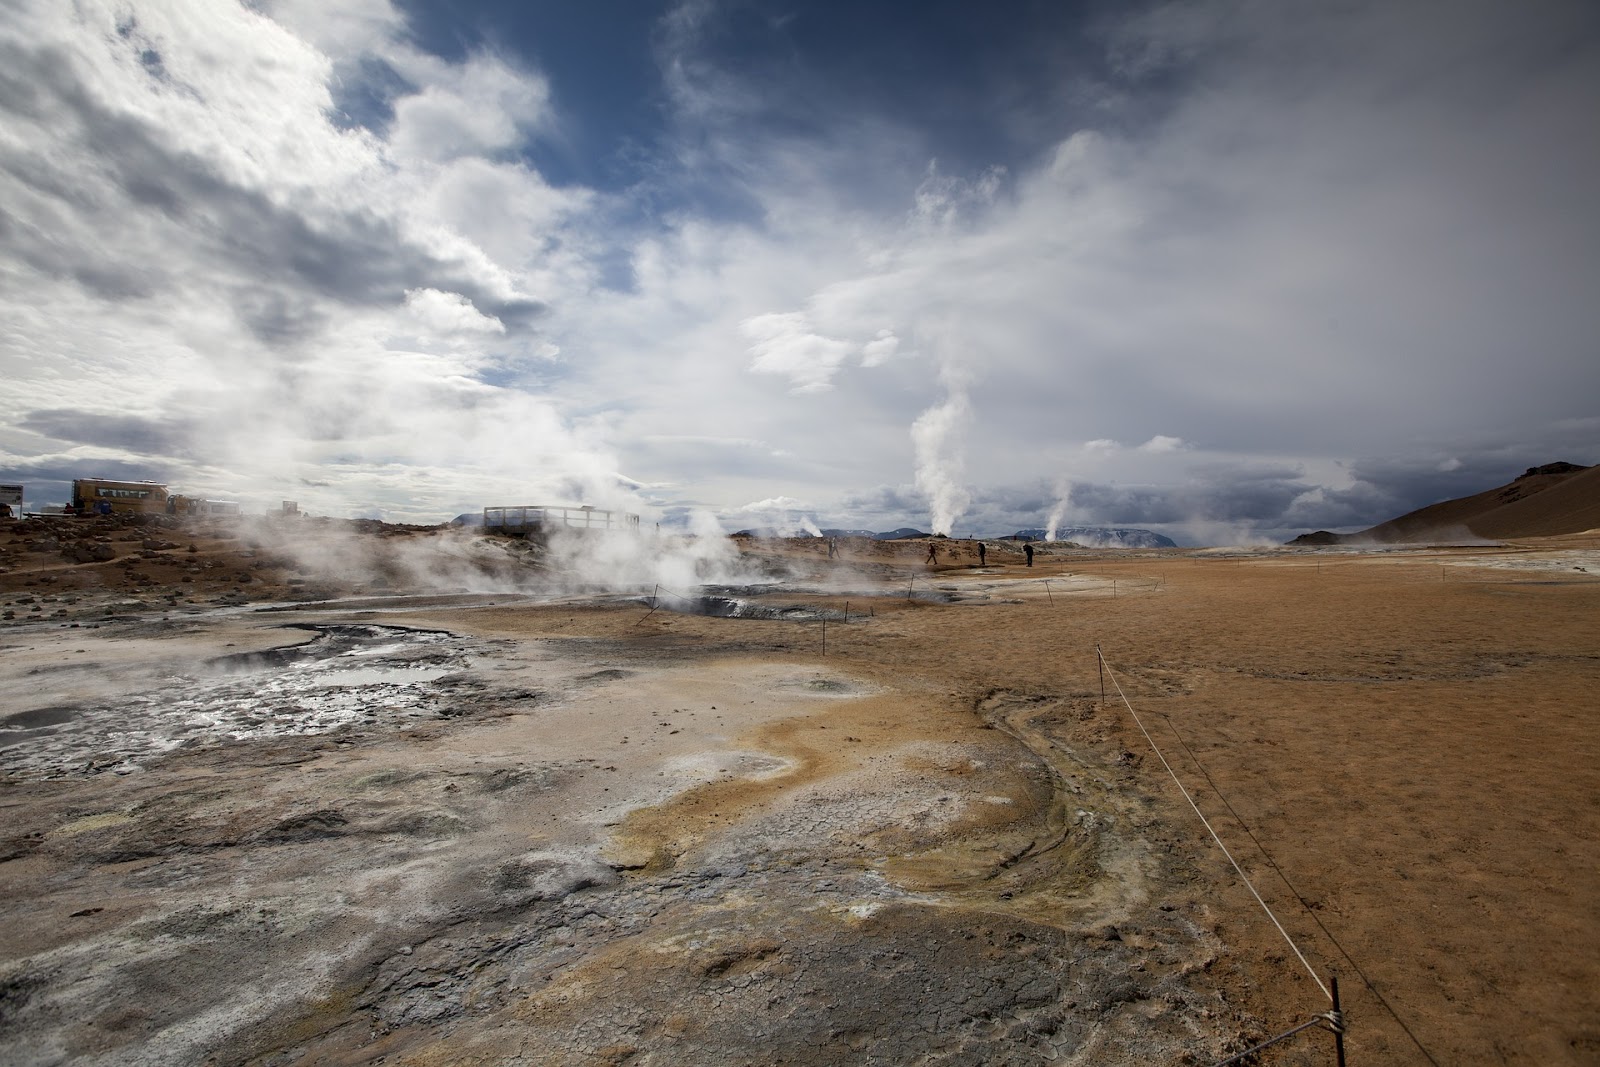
column 1413, row 737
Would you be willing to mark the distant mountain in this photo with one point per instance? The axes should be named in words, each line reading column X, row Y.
column 1102, row 536
column 900, row 534
column 850, row 533
column 1557, row 498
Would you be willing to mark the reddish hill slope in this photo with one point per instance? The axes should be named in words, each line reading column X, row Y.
column 1570, row 505
column 1558, row 498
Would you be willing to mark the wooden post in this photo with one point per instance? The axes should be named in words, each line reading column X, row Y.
column 1101, row 660
column 1048, row 593
column 1338, row 1035
column 824, row 636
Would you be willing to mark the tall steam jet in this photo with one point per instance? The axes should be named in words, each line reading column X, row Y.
column 939, row 438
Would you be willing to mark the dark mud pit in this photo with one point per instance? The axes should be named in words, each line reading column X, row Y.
column 346, row 843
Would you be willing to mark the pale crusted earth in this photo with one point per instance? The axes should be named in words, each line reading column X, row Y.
column 486, row 829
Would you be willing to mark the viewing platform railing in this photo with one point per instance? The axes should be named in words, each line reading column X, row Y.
column 531, row 518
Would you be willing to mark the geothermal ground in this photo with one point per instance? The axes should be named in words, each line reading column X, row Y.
column 347, row 794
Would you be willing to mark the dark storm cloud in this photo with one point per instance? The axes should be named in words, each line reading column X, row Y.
column 1228, row 494
column 1390, row 487
column 1122, row 504
column 126, row 433
column 50, row 480
column 1416, row 483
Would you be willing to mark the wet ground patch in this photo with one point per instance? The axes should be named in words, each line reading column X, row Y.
column 749, row 602
column 341, row 676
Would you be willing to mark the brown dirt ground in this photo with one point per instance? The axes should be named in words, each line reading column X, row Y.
column 1413, row 738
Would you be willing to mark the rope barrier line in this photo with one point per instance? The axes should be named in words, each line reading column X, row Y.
column 1300, row 897
column 1207, row 823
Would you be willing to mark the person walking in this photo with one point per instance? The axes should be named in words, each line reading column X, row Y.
column 982, row 554
column 1028, row 551
column 933, row 553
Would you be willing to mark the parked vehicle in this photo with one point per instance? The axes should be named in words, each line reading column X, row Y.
column 102, row 496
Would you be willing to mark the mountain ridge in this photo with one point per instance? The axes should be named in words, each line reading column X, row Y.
column 1544, row 501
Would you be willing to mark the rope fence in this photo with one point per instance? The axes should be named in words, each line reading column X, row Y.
column 1333, row 1019
column 1207, row 823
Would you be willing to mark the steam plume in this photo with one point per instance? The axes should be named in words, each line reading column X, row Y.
column 1059, row 512
column 939, row 437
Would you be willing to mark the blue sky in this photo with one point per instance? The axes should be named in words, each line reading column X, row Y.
column 1230, row 270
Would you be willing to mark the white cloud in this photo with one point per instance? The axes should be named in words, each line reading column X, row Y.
column 785, row 344
column 1161, row 444
column 880, row 349
column 449, row 313
column 474, row 108
column 775, row 503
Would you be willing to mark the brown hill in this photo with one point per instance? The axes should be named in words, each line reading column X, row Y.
column 1547, row 501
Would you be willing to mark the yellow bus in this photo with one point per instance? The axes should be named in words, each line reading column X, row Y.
column 102, row 496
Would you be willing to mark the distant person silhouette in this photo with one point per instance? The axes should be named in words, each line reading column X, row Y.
column 933, row 553
column 1028, row 551
column 983, row 554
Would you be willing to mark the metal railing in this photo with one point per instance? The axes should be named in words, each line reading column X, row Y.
column 529, row 518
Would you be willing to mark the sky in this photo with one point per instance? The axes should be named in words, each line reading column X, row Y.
column 1230, row 270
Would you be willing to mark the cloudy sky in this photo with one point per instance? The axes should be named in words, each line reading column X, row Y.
column 1223, row 269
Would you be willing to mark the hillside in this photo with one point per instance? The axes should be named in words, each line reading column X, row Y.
column 1547, row 501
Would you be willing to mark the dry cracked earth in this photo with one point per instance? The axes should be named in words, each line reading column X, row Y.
column 475, row 828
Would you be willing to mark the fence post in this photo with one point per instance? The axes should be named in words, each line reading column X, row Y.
column 1101, row 660
column 1338, row 1034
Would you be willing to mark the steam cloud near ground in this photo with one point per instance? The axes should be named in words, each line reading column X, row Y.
column 461, row 560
